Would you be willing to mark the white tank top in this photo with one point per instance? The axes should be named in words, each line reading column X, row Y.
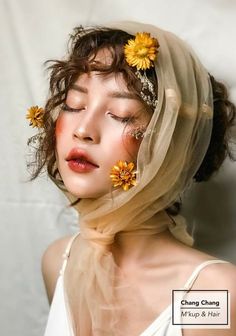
column 59, row 319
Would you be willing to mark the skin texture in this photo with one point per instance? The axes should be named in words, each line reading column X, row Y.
column 97, row 125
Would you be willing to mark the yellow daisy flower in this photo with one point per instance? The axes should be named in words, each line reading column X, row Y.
column 122, row 175
column 141, row 51
column 35, row 116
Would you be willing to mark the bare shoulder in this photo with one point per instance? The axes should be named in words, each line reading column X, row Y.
column 218, row 276
column 51, row 264
column 213, row 276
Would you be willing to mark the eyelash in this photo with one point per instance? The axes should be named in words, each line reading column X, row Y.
column 67, row 108
column 124, row 120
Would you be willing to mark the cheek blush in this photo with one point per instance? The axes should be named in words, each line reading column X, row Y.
column 131, row 143
column 59, row 125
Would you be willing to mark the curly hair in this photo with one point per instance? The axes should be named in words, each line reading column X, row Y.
column 84, row 45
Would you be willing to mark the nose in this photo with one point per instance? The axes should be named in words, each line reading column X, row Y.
column 87, row 129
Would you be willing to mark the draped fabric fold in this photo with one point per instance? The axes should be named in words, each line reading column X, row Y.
column 170, row 154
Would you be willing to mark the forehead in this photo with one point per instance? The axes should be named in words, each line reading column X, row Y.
column 101, row 82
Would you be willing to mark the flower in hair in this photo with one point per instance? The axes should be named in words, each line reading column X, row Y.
column 141, row 51
column 123, row 175
column 35, row 116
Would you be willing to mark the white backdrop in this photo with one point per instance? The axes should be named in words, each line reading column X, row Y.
column 34, row 214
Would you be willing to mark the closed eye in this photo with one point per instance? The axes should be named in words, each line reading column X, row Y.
column 121, row 119
column 67, row 108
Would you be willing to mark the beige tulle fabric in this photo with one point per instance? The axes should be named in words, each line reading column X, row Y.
column 170, row 154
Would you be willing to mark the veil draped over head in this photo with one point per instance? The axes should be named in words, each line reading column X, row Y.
column 170, row 154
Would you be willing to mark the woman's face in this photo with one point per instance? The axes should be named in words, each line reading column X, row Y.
column 92, row 132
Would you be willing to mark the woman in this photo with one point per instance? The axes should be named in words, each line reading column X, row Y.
column 129, row 124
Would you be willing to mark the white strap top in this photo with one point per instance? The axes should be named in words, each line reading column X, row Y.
column 59, row 320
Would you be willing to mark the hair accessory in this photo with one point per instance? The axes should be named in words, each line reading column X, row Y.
column 147, row 93
column 138, row 132
column 35, row 115
column 122, row 175
column 141, row 52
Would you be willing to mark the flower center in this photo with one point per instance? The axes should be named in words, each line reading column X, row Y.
column 141, row 51
column 125, row 175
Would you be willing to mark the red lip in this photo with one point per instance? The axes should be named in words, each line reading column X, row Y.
column 80, row 162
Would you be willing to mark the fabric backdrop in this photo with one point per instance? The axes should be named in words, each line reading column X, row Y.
column 33, row 214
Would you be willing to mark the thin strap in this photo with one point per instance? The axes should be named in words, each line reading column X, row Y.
column 66, row 254
column 197, row 270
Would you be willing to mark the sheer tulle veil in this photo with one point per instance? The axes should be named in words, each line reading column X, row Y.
column 170, row 154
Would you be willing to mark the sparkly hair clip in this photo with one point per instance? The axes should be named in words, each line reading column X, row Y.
column 141, row 52
column 147, row 93
column 140, row 131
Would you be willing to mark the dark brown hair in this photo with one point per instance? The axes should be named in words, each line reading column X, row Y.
column 83, row 48
column 223, row 120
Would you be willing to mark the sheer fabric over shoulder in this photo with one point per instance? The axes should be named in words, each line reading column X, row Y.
column 59, row 320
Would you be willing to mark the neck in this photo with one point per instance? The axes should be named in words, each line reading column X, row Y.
column 134, row 247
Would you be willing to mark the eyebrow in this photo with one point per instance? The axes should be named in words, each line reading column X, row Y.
column 112, row 94
column 122, row 94
column 79, row 88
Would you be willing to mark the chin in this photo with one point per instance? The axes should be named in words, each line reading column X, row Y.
column 82, row 187
column 86, row 194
